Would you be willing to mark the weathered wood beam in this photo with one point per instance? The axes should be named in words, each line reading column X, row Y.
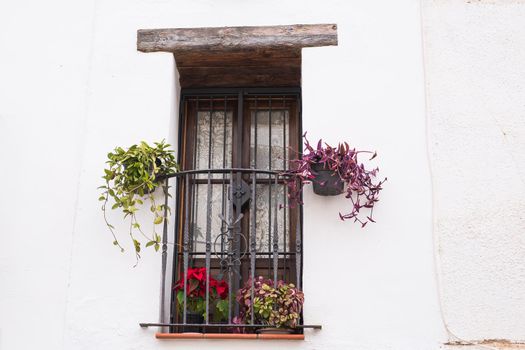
column 192, row 77
column 261, row 57
column 236, row 38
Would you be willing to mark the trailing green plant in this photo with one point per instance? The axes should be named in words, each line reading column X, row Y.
column 131, row 177
column 274, row 304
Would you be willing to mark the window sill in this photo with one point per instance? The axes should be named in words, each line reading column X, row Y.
column 229, row 336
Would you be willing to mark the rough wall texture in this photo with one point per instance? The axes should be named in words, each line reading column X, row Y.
column 82, row 88
column 45, row 55
column 475, row 73
column 371, row 289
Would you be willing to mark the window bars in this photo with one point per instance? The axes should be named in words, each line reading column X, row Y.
column 232, row 217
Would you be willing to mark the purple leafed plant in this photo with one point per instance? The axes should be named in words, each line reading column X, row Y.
column 362, row 189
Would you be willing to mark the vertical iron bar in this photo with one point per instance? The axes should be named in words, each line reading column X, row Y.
column 270, row 133
column 164, row 254
column 223, row 199
column 186, row 243
column 253, row 236
column 255, row 136
column 275, row 235
column 230, row 250
column 210, row 153
column 208, row 247
column 224, row 134
column 270, row 185
column 299, row 230
column 285, row 189
column 195, row 187
column 238, row 181
column 176, row 253
column 298, row 249
column 208, row 217
column 195, row 135
column 285, row 144
column 182, row 125
column 253, row 241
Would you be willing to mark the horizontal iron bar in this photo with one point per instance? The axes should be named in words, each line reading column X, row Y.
column 226, row 181
column 221, row 171
column 257, row 253
column 146, row 325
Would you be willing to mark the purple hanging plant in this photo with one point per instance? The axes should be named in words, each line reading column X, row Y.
column 362, row 189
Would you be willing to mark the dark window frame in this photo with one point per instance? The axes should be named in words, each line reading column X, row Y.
column 241, row 94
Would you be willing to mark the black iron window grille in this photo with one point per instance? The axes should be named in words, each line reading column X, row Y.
column 232, row 215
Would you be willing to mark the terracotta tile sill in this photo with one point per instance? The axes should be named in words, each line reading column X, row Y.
column 229, row 336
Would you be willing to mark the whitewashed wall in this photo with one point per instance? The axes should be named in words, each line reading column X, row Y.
column 72, row 87
column 475, row 64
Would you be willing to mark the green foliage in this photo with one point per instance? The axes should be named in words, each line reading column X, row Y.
column 218, row 307
column 131, row 178
column 277, row 305
column 221, row 310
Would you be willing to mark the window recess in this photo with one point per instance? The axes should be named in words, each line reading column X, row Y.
column 233, row 217
column 240, row 115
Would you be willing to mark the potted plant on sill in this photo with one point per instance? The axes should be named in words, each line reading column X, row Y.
column 195, row 287
column 131, row 178
column 330, row 169
column 277, row 305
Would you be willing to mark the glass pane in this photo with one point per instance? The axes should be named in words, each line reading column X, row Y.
column 218, row 198
column 265, row 216
column 269, row 139
column 214, row 141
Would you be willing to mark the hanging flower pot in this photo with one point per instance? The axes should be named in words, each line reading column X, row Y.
column 130, row 179
column 326, row 181
column 332, row 171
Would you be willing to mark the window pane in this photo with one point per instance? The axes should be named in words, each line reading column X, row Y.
column 218, row 156
column 265, row 217
column 218, row 198
column 269, row 139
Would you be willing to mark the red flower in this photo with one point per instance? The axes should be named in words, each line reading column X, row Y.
column 197, row 285
column 222, row 289
column 198, row 273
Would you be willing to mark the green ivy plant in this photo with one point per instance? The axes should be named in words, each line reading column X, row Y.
column 131, row 177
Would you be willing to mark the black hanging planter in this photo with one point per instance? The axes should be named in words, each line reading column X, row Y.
column 158, row 163
column 326, row 182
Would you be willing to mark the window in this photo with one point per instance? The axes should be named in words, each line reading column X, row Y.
column 234, row 141
column 232, row 215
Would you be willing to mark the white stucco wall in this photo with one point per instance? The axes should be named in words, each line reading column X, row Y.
column 45, row 51
column 73, row 86
column 475, row 65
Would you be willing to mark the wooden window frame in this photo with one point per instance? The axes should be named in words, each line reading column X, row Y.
column 185, row 158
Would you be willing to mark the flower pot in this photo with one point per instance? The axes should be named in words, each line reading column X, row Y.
column 326, row 181
column 158, row 163
column 274, row 330
column 193, row 318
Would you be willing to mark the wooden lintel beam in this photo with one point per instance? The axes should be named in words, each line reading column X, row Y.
column 236, row 38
